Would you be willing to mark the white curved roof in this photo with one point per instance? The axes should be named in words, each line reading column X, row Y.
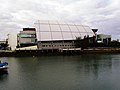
column 59, row 30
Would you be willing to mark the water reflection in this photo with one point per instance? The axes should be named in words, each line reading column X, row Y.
column 84, row 72
column 3, row 76
column 94, row 64
column 3, row 73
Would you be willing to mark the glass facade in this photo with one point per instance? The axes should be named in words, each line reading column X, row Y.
column 59, row 30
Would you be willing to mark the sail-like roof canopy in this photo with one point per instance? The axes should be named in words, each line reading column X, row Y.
column 59, row 30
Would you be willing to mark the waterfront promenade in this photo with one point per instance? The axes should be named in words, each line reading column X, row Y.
column 7, row 53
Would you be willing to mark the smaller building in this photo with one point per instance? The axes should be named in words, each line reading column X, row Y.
column 27, row 37
column 12, row 41
column 102, row 38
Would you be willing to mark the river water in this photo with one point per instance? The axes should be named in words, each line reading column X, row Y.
column 84, row 72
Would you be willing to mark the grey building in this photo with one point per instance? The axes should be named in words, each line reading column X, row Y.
column 103, row 38
column 27, row 37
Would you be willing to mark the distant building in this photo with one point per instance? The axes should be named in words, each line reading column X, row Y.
column 3, row 44
column 27, row 37
column 60, row 35
column 102, row 38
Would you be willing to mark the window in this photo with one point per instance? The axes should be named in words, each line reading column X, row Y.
column 27, row 35
column 43, row 45
column 33, row 40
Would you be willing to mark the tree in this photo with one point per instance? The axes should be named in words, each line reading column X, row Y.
column 78, row 42
column 3, row 46
column 114, row 44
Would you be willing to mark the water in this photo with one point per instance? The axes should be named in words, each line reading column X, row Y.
column 84, row 72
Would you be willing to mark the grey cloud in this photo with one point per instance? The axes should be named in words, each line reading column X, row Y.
column 5, row 17
column 103, row 3
column 101, row 14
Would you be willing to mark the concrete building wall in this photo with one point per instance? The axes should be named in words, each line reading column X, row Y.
column 25, row 40
column 55, row 45
column 12, row 40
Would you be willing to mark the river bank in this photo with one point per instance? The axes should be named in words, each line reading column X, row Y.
column 20, row 53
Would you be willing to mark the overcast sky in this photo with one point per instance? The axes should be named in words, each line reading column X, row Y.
column 101, row 14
